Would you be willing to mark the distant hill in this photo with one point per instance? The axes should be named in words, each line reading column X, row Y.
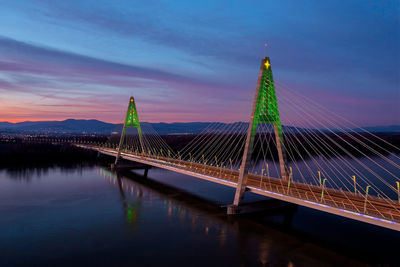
column 72, row 126
column 382, row 129
column 66, row 126
column 5, row 124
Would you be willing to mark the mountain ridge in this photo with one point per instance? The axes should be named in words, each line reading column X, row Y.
column 93, row 126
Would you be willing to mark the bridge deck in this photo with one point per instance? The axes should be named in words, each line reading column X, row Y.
column 377, row 211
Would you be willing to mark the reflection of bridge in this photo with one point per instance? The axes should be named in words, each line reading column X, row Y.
column 379, row 210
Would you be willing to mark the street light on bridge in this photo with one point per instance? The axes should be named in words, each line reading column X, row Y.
column 323, row 187
column 366, row 197
column 355, row 184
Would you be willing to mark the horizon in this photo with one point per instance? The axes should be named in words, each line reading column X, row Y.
column 200, row 65
column 358, row 126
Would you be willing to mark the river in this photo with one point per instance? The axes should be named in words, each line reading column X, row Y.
column 81, row 215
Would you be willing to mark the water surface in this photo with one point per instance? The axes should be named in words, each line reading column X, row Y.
column 91, row 216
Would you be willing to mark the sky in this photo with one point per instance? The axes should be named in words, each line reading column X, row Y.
column 189, row 61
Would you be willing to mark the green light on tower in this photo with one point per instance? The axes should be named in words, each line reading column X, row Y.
column 265, row 110
column 131, row 120
column 267, row 106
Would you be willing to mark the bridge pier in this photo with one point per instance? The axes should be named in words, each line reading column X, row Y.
column 126, row 166
column 269, row 205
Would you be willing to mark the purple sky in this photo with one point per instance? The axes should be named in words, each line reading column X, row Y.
column 196, row 61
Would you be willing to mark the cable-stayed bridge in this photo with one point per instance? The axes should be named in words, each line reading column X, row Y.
column 323, row 164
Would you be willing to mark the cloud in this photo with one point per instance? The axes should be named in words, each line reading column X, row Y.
column 58, row 80
column 46, row 66
column 28, row 58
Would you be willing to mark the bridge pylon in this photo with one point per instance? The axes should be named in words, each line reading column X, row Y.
column 131, row 120
column 265, row 110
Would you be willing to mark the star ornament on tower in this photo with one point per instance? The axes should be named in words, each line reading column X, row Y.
column 267, row 64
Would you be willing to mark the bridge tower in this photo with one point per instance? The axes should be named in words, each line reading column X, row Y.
column 265, row 110
column 131, row 120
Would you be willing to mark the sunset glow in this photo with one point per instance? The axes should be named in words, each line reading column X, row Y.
column 186, row 62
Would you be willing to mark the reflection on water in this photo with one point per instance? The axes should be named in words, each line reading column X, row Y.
column 131, row 209
column 92, row 216
column 132, row 194
column 28, row 172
